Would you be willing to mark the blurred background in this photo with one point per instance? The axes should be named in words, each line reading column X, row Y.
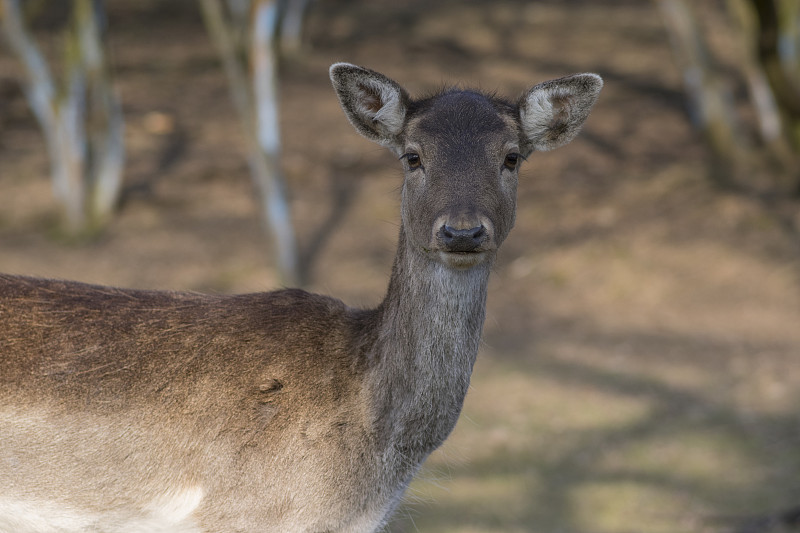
column 641, row 362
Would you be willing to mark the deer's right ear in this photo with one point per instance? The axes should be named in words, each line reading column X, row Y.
column 373, row 103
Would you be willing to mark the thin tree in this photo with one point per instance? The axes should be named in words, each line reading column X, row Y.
column 767, row 34
column 710, row 103
column 79, row 112
column 244, row 32
column 777, row 45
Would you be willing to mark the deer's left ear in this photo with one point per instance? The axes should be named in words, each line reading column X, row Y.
column 552, row 113
column 373, row 103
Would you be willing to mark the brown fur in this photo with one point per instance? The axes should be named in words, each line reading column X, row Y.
column 143, row 411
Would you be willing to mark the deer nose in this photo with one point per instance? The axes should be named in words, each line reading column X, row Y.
column 462, row 240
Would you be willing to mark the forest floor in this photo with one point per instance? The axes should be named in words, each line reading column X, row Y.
column 641, row 365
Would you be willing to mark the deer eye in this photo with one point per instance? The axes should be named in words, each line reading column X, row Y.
column 413, row 160
column 511, row 161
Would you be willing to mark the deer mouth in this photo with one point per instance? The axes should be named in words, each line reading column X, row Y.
column 463, row 259
column 465, row 253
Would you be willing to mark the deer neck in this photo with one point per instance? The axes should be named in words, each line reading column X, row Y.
column 431, row 322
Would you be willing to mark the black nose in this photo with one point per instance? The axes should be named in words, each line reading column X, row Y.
column 462, row 240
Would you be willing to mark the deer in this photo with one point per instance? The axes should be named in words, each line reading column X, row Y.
column 130, row 410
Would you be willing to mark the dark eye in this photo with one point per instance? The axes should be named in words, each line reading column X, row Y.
column 511, row 161
column 413, row 160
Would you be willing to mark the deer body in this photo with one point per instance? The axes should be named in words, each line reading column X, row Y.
column 132, row 411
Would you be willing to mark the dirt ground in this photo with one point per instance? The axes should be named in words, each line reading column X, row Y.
column 640, row 369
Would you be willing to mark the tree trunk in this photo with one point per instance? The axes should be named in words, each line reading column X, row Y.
column 81, row 119
column 710, row 103
column 784, row 86
column 252, row 75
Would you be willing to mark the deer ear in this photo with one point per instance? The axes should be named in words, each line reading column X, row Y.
column 553, row 112
column 373, row 103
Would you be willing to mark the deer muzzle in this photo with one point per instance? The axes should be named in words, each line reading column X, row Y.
column 468, row 240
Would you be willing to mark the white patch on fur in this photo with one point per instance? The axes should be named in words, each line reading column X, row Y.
column 179, row 505
column 29, row 516
column 170, row 513
column 392, row 112
column 537, row 114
